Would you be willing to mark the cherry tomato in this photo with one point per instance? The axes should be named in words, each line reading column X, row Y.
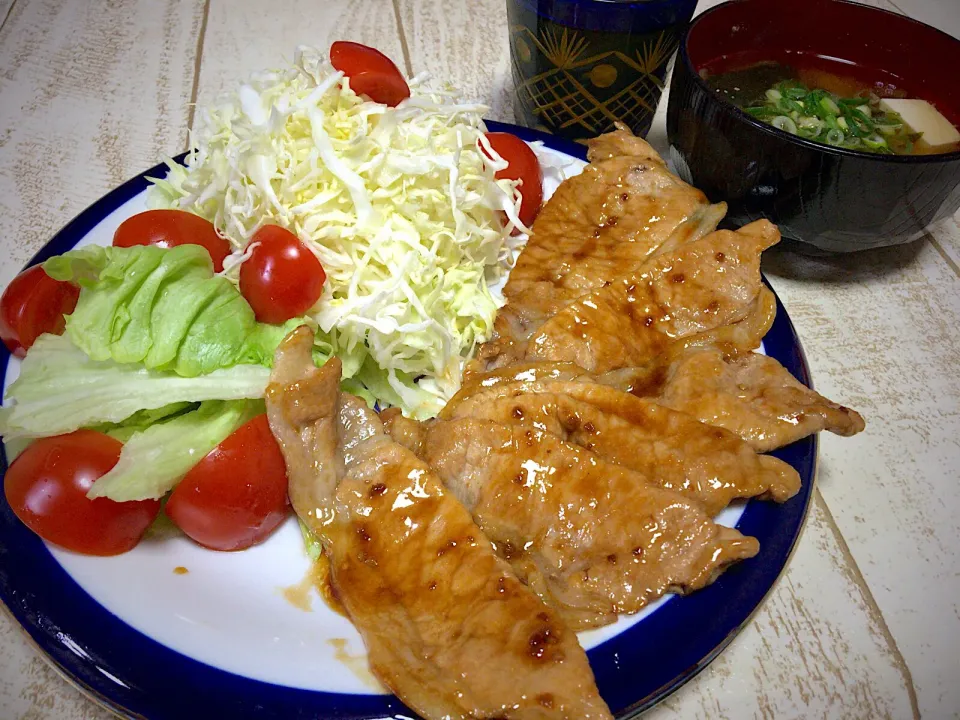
column 47, row 486
column 237, row 495
column 371, row 72
column 170, row 228
column 282, row 278
column 524, row 166
column 33, row 304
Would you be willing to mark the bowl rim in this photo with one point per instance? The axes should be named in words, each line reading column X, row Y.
column 625, row 5
column 931, row 158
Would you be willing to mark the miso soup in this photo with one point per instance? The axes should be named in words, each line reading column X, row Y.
column 828, row 102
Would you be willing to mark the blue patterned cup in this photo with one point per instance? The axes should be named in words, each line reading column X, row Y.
column 579, row 66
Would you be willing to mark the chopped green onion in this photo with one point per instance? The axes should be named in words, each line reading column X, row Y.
column 855, row 123
column 782, row 122
column 834, row 137
column 761, row 112
column 812, row 100
column 790, row 105
column 860, row 122
column 829, row 105
column 795, row 92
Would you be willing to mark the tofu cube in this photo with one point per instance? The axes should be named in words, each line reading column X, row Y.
column 922, row 117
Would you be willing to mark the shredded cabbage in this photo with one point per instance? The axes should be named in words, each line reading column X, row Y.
column 399, row 204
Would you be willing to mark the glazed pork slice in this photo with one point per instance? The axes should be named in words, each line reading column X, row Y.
column 523, row 371
column 447, row 625
column 592, row 538
column 753, row 396
column 600, row 225
column 702, row 286
column 670, row 449
column 741, row 336
column 645, row 380
column 648, row 379
column 406, row 431
column 620, row 143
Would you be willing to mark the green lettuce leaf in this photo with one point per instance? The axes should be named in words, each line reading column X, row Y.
column 163, row 308
column 61, row 389
column 141, row 420
column 153, row 461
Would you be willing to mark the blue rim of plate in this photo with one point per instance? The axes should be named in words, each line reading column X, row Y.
column 137, row 676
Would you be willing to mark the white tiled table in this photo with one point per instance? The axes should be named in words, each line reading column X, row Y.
column 864, row 624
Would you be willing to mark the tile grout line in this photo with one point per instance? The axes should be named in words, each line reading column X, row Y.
column 943, row 253
column 201, row 36
column 403, row 38
column 7, row 16
column 873, row 609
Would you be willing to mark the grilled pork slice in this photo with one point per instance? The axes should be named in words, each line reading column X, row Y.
column 700, row 287
column 741, row 336
column 598, row 226
column 447, row 624
column 753, row 396
column 670, row 449
column 649, row 379
column 621, row 143
column 406, row 431
column 592, row 538
column 524, row 371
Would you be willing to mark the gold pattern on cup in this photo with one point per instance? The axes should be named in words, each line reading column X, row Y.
column 575, row 87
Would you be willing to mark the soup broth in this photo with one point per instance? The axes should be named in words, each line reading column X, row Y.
column 823, row 100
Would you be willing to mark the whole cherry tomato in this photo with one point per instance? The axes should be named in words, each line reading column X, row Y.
column 170, row 228
column 33, row 304
column 371, row 72
column 524, row 166
column 237, row 495
column 47, row 485
column 282, row 278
